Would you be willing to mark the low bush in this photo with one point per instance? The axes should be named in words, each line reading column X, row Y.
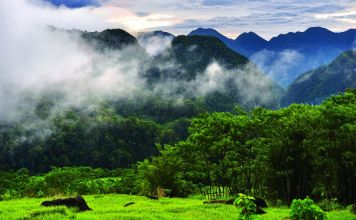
column 66, row 181
column 246, row 206
column 306, row 210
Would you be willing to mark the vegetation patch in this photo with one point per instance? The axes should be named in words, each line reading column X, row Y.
column 43, row 213
column 306, row 210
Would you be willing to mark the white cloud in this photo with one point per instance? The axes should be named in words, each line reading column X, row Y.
column 37, row 61
column 140, row 23
column 278, row 65
column 154, row 44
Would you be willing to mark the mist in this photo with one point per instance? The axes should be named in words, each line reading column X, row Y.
column 37, row 60
column 40, row 62
column 278, row 65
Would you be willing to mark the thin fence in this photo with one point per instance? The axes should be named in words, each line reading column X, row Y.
column 215, row 192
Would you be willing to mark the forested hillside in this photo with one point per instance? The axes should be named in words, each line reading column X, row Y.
column 316, row 85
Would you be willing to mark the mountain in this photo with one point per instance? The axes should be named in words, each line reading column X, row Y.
column 246, row 43
column 213, row 33
column 315, row 85
column 201, row 57
column 249, row 43
column 313, row 38
column 196, row 52
column 183, row 66
column 286, row 56
column 110, row 38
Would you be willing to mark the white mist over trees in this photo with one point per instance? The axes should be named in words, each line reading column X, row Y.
column 38, row 60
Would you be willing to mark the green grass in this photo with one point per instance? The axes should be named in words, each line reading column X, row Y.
column 111, row 207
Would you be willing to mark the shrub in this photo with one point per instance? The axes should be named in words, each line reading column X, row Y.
column 329, row 204
column 306, row 210
column 35, row 187
column 246, row 206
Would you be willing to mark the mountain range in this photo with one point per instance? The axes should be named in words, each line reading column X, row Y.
column 192, row 55
column 286, row 56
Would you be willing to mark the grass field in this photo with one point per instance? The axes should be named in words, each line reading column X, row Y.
column 111, row 207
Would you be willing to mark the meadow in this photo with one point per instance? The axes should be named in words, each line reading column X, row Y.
column 112, row 207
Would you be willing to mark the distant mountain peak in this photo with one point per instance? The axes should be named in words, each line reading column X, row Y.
column 207, row 32
column 250, row 36
column 163, row 33
column 206, row 29
column 317, row 29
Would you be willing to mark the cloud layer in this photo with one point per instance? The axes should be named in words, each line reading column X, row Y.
column 266, row 17
column 231, row 17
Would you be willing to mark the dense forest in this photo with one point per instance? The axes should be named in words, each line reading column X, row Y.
column 283, row 154
column 293, row 152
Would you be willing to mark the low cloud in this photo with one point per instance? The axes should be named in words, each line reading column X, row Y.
column 278, row 65
column 251, row 85
column 155, row 44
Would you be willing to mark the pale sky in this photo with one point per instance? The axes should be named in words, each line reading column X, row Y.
column 267, row 18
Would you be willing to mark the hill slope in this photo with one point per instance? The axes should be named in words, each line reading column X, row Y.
column 249, row 43
column 227, row 77
column 110, row 38
column 213, row 33
column 315, row 85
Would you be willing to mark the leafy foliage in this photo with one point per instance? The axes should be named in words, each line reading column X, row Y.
column 246, row 206
column 306, row 210
column 303, row 150
column 65, row 181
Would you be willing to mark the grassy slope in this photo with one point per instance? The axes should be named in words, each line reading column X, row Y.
column 111, row 207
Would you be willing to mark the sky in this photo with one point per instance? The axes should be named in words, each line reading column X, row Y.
column 267, row 18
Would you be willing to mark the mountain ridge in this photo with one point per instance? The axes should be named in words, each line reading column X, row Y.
column 192, row 57
column 313, row 47
column 315, row 85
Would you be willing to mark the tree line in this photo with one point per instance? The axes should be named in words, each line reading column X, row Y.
column 98, row 138
column 293, row 152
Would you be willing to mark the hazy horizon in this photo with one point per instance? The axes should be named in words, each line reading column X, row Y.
column 231, row 18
